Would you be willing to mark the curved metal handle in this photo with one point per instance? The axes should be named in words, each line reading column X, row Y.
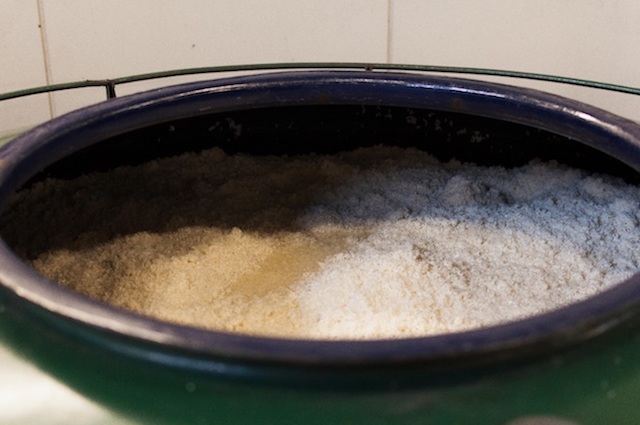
column 110, row 84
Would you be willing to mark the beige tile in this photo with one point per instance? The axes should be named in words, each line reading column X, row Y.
column 17, row 115
column 69, row 100
column 22, row 64
column 580, row 38
column 112, row 38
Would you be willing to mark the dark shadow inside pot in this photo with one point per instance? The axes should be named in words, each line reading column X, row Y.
column 291, row 131
column 331, row 129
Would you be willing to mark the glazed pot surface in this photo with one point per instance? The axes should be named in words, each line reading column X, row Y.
column 177, row 374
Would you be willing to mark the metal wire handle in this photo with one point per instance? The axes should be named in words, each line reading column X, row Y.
column 110, row 84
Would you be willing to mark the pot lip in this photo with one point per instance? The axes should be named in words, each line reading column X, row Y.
column 579, row 321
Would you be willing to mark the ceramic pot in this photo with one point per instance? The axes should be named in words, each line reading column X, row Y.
column 579, row 363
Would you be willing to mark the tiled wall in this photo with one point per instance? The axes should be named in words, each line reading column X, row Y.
column 56, row 41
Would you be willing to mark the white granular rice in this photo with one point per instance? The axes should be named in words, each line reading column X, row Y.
column 376, row 243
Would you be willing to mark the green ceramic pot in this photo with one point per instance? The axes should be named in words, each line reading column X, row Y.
column 578, row 364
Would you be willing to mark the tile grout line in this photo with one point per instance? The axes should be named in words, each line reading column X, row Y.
column 389, row 29
column 45, row 53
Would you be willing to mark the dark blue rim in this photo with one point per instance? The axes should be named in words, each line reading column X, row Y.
column 26, row 155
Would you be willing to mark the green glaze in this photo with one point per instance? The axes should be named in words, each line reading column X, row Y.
column 595, row 383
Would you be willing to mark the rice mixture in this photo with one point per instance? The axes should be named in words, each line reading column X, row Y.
column 376, row 243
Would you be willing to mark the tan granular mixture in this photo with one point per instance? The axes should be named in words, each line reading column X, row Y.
column 380, row 242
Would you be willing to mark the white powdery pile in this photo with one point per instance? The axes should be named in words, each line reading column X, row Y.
column 377, row 243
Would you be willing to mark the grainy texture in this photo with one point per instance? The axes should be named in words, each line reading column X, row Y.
column 379, row 242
